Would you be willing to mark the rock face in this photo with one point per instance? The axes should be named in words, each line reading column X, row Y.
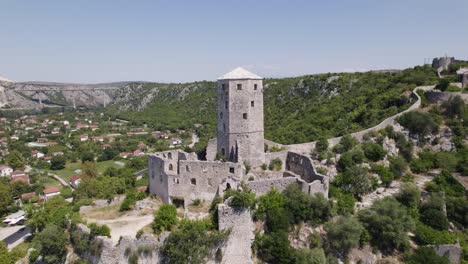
column 146, row 248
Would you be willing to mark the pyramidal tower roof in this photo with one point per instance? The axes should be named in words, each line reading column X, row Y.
column 239, row 74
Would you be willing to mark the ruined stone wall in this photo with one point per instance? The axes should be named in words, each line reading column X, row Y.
column 282, row 155
column 442, row 62
column 238, row 247
column 211, row 149
column 146, row 247
column 464, row 80
column 312, row 181
column 200, row 179
column 264, row 186
column 240, row 130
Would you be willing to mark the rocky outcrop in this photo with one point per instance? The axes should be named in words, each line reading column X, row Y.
column 145, row 249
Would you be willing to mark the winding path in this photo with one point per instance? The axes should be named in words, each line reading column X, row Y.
column 305, row 148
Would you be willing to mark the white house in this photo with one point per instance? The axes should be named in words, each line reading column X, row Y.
column 51, row 191
column 84, row 137
column 5, row 170
column 14, row 218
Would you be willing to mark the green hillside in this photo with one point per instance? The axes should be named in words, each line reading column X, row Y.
column 298, row 109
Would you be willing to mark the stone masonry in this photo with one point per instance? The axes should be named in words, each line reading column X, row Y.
column 179, row 177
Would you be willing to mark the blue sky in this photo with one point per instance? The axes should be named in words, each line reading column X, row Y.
column 92, row 41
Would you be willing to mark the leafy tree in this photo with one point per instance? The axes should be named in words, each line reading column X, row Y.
column 275, row 248
column 345, row 201
column 165, row 218
column 426, row 235
column 297, row 203
column 409, row 195
column 192, row 241
column 443, row 84
column 384, row 173
column 454, row 107
column 268, row 202
column 354, row 180
column 241, row 199
column 373, row 151
column 310, row 256
column 398, row 166
column 53, row 241
column 16, row 160
column 388, row 223
column 87, row 156
column 58, row 162
column 419, row 123
column 426, row 255
column 350, row 158
column 89, row 169
column 343, row 234
column 457, row 210
column 6, row 197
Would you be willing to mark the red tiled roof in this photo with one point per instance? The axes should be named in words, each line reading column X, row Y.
column 51, row 189
column 24, row 179
column 74, row 178
column 28, row 195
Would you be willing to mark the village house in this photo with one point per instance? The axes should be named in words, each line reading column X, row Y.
column 47, row 159
column 175, row 141
column 42, row 140
column 15, row 218
column 27, row 196
column 57, row 153
column 37, row 154
column 14, row 137
column 94, row 128
column 81, row 126
column 5, row 170
column 75, row 181
column 51, row 191
column 106, row 146
column 141, row 145
column 23, row 178
column 98, row 139
column 84, row 137
column 138, row 153
column 125, row 155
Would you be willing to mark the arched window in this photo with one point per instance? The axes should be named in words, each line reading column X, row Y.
column 171, row 167
column 169, row 155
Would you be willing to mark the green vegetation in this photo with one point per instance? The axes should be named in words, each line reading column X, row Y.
column 299, row 109
column 388, row 222
column 191, row 240
column 165, row 218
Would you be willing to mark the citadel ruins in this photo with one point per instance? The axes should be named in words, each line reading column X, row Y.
column 236, row 155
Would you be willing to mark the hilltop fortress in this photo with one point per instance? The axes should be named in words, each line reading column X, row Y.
column 236, row 155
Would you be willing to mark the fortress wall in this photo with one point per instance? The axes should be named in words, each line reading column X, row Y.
column 264, row 186
column 200, row 179
column 306, row 148
column 269, row 156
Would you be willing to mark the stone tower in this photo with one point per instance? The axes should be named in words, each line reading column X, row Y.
column 240, row 117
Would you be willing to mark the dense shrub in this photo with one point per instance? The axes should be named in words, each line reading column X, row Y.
column 435, row 219
column 426, row 255
column 165, row 218
column 373, row 151
column 425, row 235
column 192, row 240
column 419, row 123
column 409, row 195
column 355, row 181
column 343, row 234
column 457, row 210
column 443, row 85
column 388, row 222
